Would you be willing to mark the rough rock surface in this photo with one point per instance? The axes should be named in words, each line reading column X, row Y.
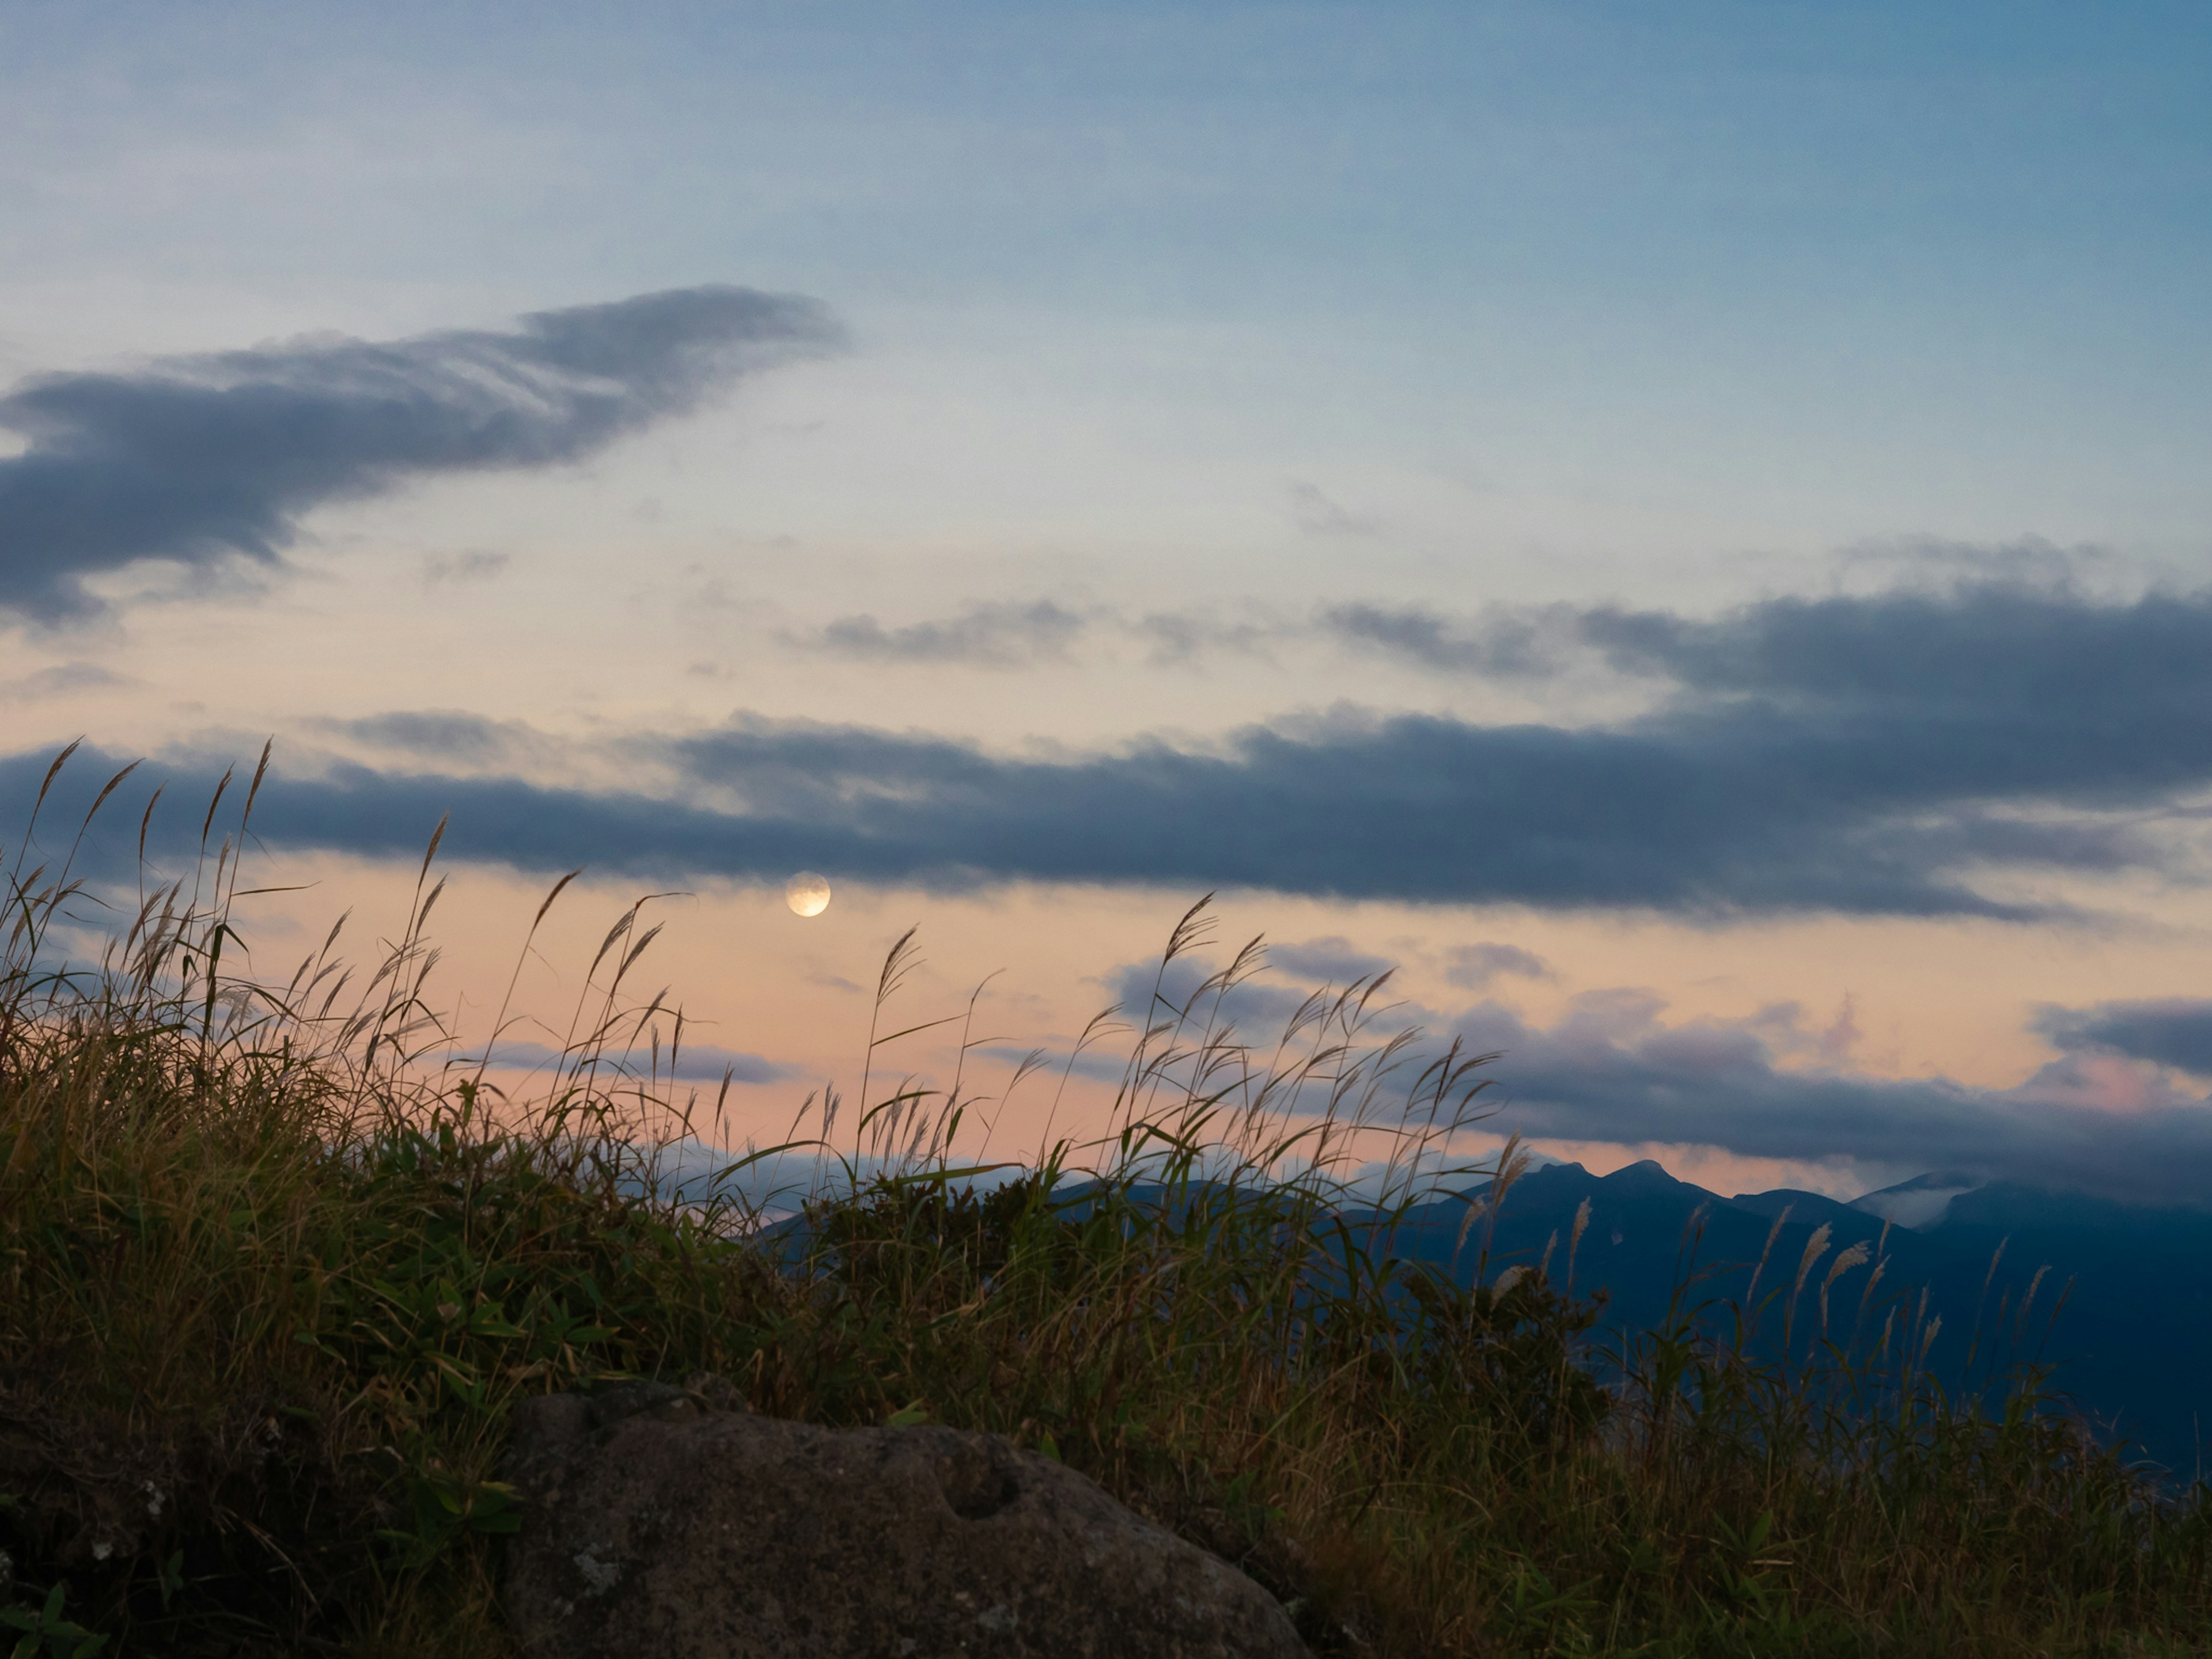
column 662, row 1521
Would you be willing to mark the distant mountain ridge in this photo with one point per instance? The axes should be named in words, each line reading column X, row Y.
column 2131, row 1344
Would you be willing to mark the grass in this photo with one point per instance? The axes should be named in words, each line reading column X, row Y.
column 274, row 1272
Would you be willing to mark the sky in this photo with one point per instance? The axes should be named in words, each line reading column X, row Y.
column 1680, row 530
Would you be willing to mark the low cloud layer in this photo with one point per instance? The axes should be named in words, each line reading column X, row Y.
column 1613, row 1070
column 209, row 459
column 1902, row 755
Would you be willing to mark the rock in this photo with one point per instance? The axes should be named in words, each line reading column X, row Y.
column 659, row 1521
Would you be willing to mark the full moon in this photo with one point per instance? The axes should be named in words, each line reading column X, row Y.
column 807, row 894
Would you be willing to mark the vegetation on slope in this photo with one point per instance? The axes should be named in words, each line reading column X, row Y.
column 272, row 1278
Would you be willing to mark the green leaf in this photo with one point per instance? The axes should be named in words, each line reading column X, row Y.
column 495, row 1507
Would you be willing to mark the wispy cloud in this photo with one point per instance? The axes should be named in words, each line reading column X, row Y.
column 59, row 681
column 696, row 1062
column 443, row 734
column 1472, row 967
column 1318, row 513
column 475, row 566
column 1334, row 961
column 992, row 635
column 213, row 458
column 2038, row 649
column 1501, row 644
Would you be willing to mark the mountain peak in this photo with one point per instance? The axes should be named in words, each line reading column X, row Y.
column 1647, row 1175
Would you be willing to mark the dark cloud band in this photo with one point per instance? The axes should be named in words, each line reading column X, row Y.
column 1900, row 756
column 200, row 459
column 2174, row 1031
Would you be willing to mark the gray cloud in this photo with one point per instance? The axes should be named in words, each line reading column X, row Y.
column 994, row 636
column 1501, row 644
column 1255, row 1009
column 1984, row 650
column 2001, row 650
column 1333, row 961
column 1978, row 648
column 448, row 734
column 1704, row 810
column 1473, row 966
column 1860, row 778
column 1182, row 639
column 1414, row 808
column 210, row 459
column 2034, row 560
column 477, row 566
column 2174, row 1031
column 1317, row 514
column 696, row 1062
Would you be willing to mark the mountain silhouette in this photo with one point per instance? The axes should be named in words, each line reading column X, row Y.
column 2121, row 1311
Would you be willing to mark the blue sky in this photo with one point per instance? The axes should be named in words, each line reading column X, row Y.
column 1784, row 254
column 1709, row 497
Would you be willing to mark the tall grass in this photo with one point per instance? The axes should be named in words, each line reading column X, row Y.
column 278, row 1259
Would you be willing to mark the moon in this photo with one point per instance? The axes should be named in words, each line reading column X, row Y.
column 807, row 894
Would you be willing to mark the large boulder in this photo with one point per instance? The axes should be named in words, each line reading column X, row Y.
column 672, row 1522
